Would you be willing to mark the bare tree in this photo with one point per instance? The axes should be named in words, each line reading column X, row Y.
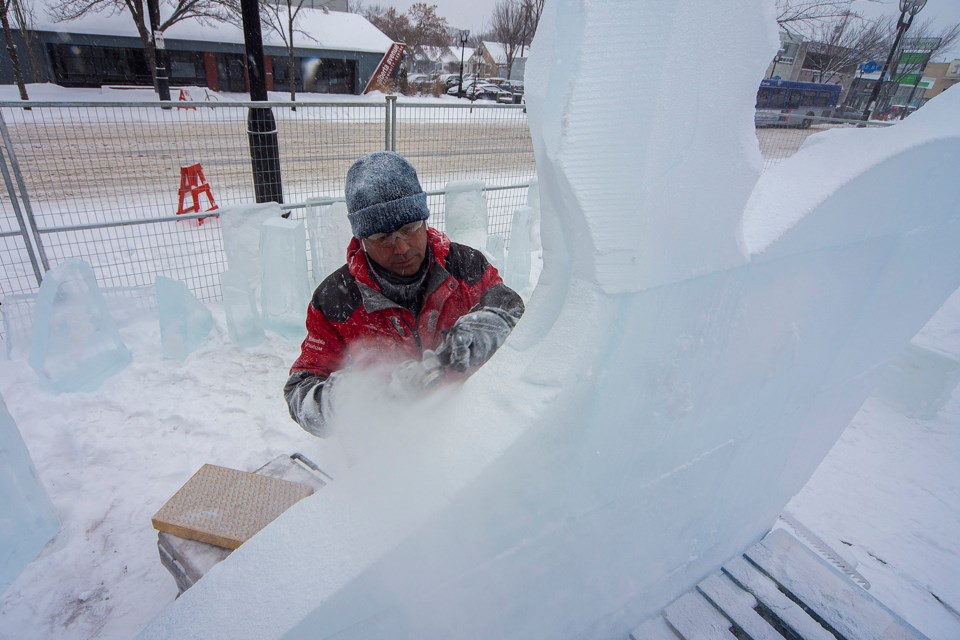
column 26, row 21
column 838, row 45
column 419, row 27
column 204, row 10
column 393, row 24
column 281, row 18
column 532, row 10
column 508, row 26
column 801, row 16
column 5, row 9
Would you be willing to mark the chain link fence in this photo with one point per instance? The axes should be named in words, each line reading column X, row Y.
column 102, row 181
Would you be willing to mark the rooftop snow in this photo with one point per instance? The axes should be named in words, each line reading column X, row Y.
column 316, row 30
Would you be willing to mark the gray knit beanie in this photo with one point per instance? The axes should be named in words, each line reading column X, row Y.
column 383, row 194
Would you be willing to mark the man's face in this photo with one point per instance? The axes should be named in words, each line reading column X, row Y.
column 401, row 252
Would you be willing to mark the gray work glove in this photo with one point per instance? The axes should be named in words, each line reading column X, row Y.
column 475, row 337
column 413, row 377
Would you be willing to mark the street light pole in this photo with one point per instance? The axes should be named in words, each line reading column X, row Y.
column 908, row 9
column 464, row 34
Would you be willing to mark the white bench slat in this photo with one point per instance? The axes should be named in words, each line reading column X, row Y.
column 694, row 618
column 738, row 605
column 654, row 629
column 849, row 610
column 783, row 608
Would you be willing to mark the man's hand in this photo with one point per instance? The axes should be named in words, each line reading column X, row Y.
column 413, row 377
column 474, row 338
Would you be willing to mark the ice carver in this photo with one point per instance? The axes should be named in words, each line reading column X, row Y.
column 407, row 297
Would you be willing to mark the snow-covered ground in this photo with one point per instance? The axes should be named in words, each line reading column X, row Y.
column 887, row 498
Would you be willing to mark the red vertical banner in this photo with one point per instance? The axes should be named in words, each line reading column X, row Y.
column 387, row 67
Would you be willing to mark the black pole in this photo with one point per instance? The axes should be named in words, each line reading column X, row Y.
column 159, row 52
column 902, row 26
column 261, row 126
column 916, row 83
column 460, row 81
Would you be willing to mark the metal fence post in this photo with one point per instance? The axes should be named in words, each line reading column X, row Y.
column 386, row 123
column 28, row 238
column 393, row 124
column 390, row 125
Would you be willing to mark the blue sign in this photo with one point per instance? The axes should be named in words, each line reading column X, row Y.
column 870, row 67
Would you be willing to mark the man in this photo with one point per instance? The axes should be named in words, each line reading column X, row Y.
column 407, row 296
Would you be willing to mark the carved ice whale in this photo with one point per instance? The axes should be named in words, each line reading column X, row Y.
column 681, row 370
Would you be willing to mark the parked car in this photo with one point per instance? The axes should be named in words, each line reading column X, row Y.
column 847, row 113
column 500, row 82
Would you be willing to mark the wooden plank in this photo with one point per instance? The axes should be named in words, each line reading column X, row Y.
column 786, row 611
column 852, row 612
column 654, row 629
column 694, row 618
column 738, row 605
column 226, row 507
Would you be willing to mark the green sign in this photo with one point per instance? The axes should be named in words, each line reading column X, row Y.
column 914, row 58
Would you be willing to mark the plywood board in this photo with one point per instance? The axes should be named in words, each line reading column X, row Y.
column 226, row 507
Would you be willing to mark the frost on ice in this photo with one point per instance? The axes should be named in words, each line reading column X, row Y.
column 185, row 323
column 75, row 345
column 284, row 287
column 27, row 518
column 681, row 369
column 465, row 213
column 330, row 233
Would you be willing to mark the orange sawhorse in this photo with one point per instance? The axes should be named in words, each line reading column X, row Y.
column 193, row 183
column 185, row 97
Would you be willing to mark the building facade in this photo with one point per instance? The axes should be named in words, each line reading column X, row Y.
column 107, row 51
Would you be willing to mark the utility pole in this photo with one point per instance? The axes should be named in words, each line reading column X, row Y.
column 907, row 8
column 261, row 126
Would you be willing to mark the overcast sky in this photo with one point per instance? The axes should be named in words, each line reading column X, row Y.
column 475, row 14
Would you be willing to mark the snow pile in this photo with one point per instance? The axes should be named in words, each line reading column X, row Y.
column 663, row 398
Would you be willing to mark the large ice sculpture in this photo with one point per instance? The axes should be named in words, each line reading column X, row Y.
column 27, row 518
column 667, row 390
column 75, row 345
column 185, row 323
column 244, row 324
column 330, row 233
column 284, row 291
column 465, row 213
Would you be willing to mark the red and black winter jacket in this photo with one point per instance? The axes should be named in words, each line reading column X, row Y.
column 350, row 320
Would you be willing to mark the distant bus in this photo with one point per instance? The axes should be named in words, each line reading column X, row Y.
column 784, row 103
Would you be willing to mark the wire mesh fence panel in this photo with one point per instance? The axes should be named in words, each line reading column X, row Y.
column 105, row 180
column 89, row 163
column 19, row 261
column 779, row 142
column 480, row 142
